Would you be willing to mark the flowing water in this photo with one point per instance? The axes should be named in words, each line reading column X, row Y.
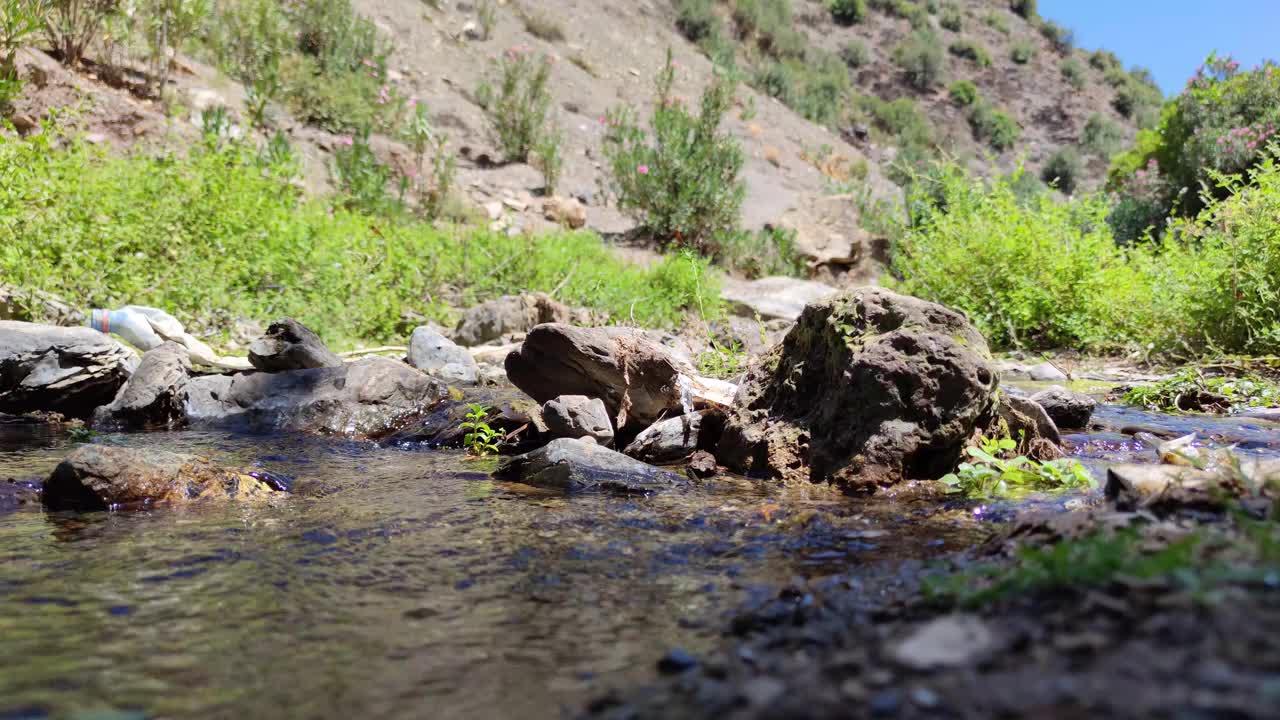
column 406, row 584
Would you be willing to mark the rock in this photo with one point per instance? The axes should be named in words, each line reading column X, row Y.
column 676, row 661
column 156, row 395
column 568, row 464
column 370, row 398
column 950, row 641
column 435, row 354
column 98, row 477
column 37, row 306
column 868, row 389
column 493, row 319
column 511, row 413
column 290, row 345
column 703, row 464
column 773, row 297
column 636, row 378
column 1169, row 488
column 670, row 440
column 1025, row 421
column 576, row 416
column 1068, row 409
column 69, row 370
column 564, row 211
column 1044, row 372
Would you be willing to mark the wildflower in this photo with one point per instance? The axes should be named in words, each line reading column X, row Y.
column 346, row 140
column 643, row 169
column 413, row 103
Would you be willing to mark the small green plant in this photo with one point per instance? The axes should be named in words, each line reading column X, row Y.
column 697, row 20
column 997, row 22
column 1062, row 38
column 770, row 251
column 480, row 439
column 963, row 93
column 855, row 54
column 993, row 474
column 1073, row 73
column 951, row 19
column 921, row 59
column 1063, row 170
column 520, row 104
column 20, row 20
column 171, row 23
column 993, row 126
column 847, row 12
column 1022, row 52
column 80, row 434
column 722, row 361
column 971, row 51
column 71, row 26
column 1191, row 390
column 550, row 160
column 1101, row 137
column 680, row 180
column 360, row 175
column 431, row 184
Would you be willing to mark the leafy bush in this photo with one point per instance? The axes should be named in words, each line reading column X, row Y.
column 993, row 474
column 1063, row 170
column 971, row 51
column 520, row 105
column 20, row 20
column 993, row 126
column 172, row 24
column 1101, row 136
column 1105, row 61
column 912, row 131
column 920, row 58
column 1022, row 52
column 1062, row 38
column 771, row 251
column 847, row 12
column 1184, row 391
column 1073, row 73
column 218, row 236
column 951, row 19
column 72, row 25
column 997, row 21
column 964, row 93
column 361, row 176
column 1025, row 8
column 855, row 54
column 682, row 183
column 697, row 20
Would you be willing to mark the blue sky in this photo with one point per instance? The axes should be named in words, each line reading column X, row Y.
column 1172, row 37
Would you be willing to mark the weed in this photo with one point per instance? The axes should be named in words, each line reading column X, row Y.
column 480, row 439
column 920, row 58
column 1190, row 389
column 964, row 93
column 1101, row 137
column 486, row 17
column 20, row 20
column 993, row 474
column 1063, row 39
column 72, row 25
column 724, row 362
column 550, row 160
column 520, row 104
column 1073, row 73
column 855, row 54
column 171, row 24
column 1021, row 52
column 361, row 176
column 997, row 128
column 847, row 12
column 697, row 20
column 1063, row 170
column 770, row 251
column 972, row 51
column 997, row 22
column 951, row 19
column 80, row 434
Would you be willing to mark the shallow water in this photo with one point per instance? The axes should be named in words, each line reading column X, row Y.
column 395, row 584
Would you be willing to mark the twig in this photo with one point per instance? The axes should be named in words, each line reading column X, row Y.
column 373, row 351
column 557, row 288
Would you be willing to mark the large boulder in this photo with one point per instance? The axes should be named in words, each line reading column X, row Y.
column 435, row 354
column 69, row 370
column 290, row 345
column 868, row 389
column 1070, row 410
column 1023, row 419
column 98, row 477
column 509, row 314
column 156, row 394
column 578, row 416
column 673, row 439
column 569, row 464
column 369, row 399
column 638, row 380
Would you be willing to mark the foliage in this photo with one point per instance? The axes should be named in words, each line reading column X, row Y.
column 964, row 93
column 1105, row 61
column 486, row 18
column 681, row 178
column 912, row 131
column 480, row 439
column 1221, row 123
column 543, row 27
column 951, row 19
column 697, row 20
column 360, row 175
column 1061, row 38
column 520, row 104
column 1063, row 170
column 1025, row 8
column 972, row 51
column 998, row 22
column 220, row 235
column 1073, row 73
column 920, row 58
column 171, row 24
column 855, row 54
column 993, row 126
column 72, row 25
column 724, row 362
column 847, row 12
column 1021, row 52
column 1181, row 390
column 770, row 251
column 20, row 20
column 1101, row 136
column 993, row 474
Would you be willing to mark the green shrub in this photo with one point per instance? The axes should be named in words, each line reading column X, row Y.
column 1062, row 38
column 1022, row 52
column 71, row 26
column 20, row 20
column 361, row 177
column 1063, row 170
column 543, row 27
column 993, row 126
column 1025, row 8
column 1073, row 73
column 770, row 24
column 847, row 12
column 964, row 93
column 994, row 474
column 824, row 88
column 855, row 54
column 909, row 10
column 697, row 20
column 920, row 58
column 998, row 22
column 1105, row 61
column 951, row 19
column 1183, row 392
column 518, row 103
column 775, row 80
column 971, row 51
column 1101, row 136
column 217, row 236
column 912, row 133
column 681, row 182
column 771, row 251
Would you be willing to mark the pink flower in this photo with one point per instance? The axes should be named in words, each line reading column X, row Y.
column 413, row 104
column 643, row 169
column 346, row 140
column 384, row 95
column 603, row 120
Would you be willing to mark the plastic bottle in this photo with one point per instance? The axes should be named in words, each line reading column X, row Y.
column 131, row 326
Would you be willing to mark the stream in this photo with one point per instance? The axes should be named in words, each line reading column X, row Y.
column 402, row 584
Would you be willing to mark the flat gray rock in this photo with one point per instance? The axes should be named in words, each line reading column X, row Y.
column 574, row 465
column 290, row 345
column 577, row 416
column 773, row 298
column 70, row 370
column 435, row 354
column 156, row 395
